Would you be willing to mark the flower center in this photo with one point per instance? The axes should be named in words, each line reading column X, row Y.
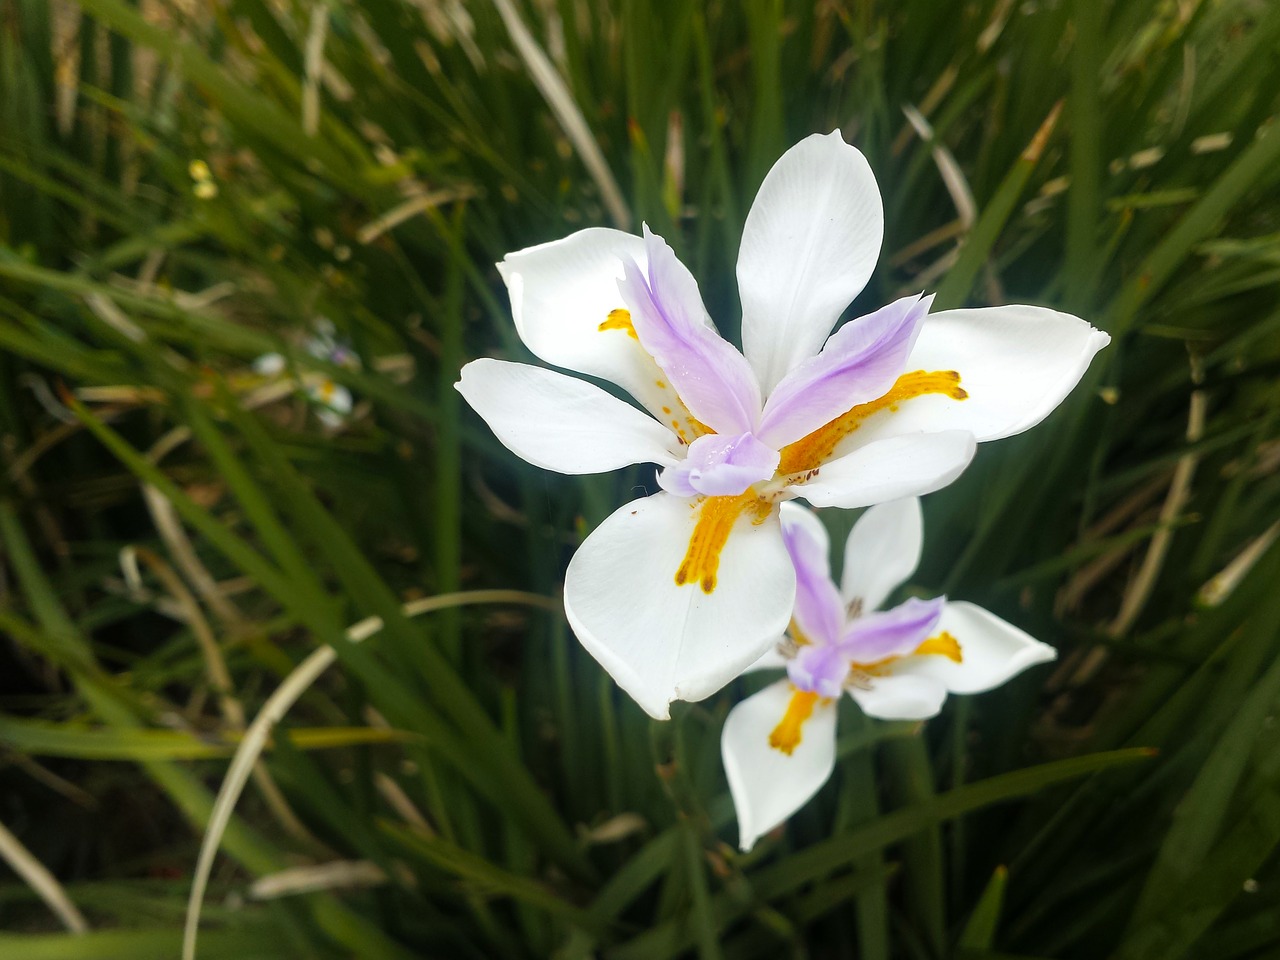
column 810, row 452
column 716, row 519
column 787, row 734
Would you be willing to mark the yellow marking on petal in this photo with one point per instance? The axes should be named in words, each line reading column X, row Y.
column 796, row 634
column 943, row 645
column 700, row 428
column 662, row 384
column 716, row 519
column 619, row 320
column 810, row 452
column 787, row 734
column 326, row 390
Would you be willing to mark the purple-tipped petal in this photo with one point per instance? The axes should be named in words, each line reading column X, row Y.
column 712, row 378
column 820, row 667
column 859, row 363
column 819, row 612
column 720, row 466
column 893, row 633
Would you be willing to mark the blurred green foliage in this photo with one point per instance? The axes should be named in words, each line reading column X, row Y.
column 185, row 187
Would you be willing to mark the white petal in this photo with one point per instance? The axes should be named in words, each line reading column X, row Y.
column 1016, row 363
column 991, row 650
column 562, row 423
column 269, row 365
column 883, row 549
column 889, row 469
column 809, row 245
column 900, row 696
column 560, row 294
column 767, row 784
column 662, row 641
column 771, row 659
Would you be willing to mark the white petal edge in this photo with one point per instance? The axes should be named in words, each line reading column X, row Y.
column 560, row 294
column 889, row 469
column 809, row 244
column 562, row 423
column 1016, row 363
column 992, row 651
column 771, row 659
column 899, row 696
column 662, row 641
column 883, row 549
column 768, row 785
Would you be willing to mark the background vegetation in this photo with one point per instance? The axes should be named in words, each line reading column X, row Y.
column 185, row 187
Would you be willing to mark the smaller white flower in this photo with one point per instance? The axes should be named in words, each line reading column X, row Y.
column 899, row 664
column 332, row 401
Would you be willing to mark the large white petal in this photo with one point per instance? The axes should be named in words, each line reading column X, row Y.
column 562, row 423
column 809, row 245
column 889, row 469
column 883, row 549
column 899, row 696
column 662, row 641
column 560, row 294
column 767, row 784
column 991, row 651
column 1016, row 363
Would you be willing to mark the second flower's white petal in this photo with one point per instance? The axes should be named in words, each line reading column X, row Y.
column 767, row 784
column 1016, row 363
column 561, row 423
column 663, row 641
column 992, row 651
column 889, row 469
column 900, row 696
column 883, row 549
column 809, row 244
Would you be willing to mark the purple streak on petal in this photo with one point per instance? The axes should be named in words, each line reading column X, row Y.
column 893, row 633
column 712, row 378
column 860, row 362
column 820, row 667
column 819, row 611
column 720, row 466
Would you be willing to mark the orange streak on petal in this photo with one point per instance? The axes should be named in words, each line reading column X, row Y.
column 944, row 645
column 716, row 519
column 810, row 452
column 619, row 320
column 787, row 734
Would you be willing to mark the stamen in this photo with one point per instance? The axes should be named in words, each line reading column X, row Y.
column 619, row 320
column 786, row 735
column 810, row 452
column 944, row 645
column 716, row 518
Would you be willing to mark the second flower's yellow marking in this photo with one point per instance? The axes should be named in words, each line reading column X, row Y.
column 716, row 518
column 786, row 735
column 619, row 320
column 810, row 452
column 943, row 645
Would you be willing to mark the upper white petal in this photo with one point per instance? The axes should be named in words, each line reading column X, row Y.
column 809, row 245
column 768, row 785
column 560, row 294
column 562, row 423
column 883, row 549
column 1016, row 363
column 889, row 469
column 662, row 641
column 901, row 696
column 992, row 651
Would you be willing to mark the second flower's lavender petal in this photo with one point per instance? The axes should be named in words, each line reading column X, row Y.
column 859, row 363
column 720, row 466
column 819, row 612
column 820, row 667
column 893, row 633
column 712, row 378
